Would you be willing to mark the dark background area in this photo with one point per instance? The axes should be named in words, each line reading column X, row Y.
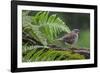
column 73, row 20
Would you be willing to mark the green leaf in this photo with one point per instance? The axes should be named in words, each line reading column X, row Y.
column 36, row 54
column 44, row 27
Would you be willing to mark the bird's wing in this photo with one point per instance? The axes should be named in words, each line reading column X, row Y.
column 69, row 38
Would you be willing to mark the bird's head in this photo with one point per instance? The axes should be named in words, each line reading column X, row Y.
column 76, row 31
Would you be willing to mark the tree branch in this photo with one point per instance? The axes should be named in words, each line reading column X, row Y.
column 82, row 51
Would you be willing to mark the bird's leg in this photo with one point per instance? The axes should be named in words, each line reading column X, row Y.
column 72, row 47
column 69, row 45
column 75, row 46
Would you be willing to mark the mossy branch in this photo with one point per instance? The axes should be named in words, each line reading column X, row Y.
column 82, row 51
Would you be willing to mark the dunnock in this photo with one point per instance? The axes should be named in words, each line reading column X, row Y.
column 70, row 38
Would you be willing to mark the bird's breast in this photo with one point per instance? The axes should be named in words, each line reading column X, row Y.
column 72, row 39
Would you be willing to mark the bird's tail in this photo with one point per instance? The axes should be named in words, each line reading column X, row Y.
column 59, row 39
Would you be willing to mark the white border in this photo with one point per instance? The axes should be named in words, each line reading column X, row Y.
column 53, row 63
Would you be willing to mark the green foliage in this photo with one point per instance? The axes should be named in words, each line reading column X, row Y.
column 37, row 54
column 44, row 27
column 84, row 39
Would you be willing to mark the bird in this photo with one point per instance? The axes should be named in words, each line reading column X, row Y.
column 71, row 38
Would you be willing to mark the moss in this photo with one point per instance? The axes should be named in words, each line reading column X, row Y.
column 49, row 55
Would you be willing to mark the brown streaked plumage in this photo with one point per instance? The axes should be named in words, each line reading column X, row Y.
column 70, row 38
